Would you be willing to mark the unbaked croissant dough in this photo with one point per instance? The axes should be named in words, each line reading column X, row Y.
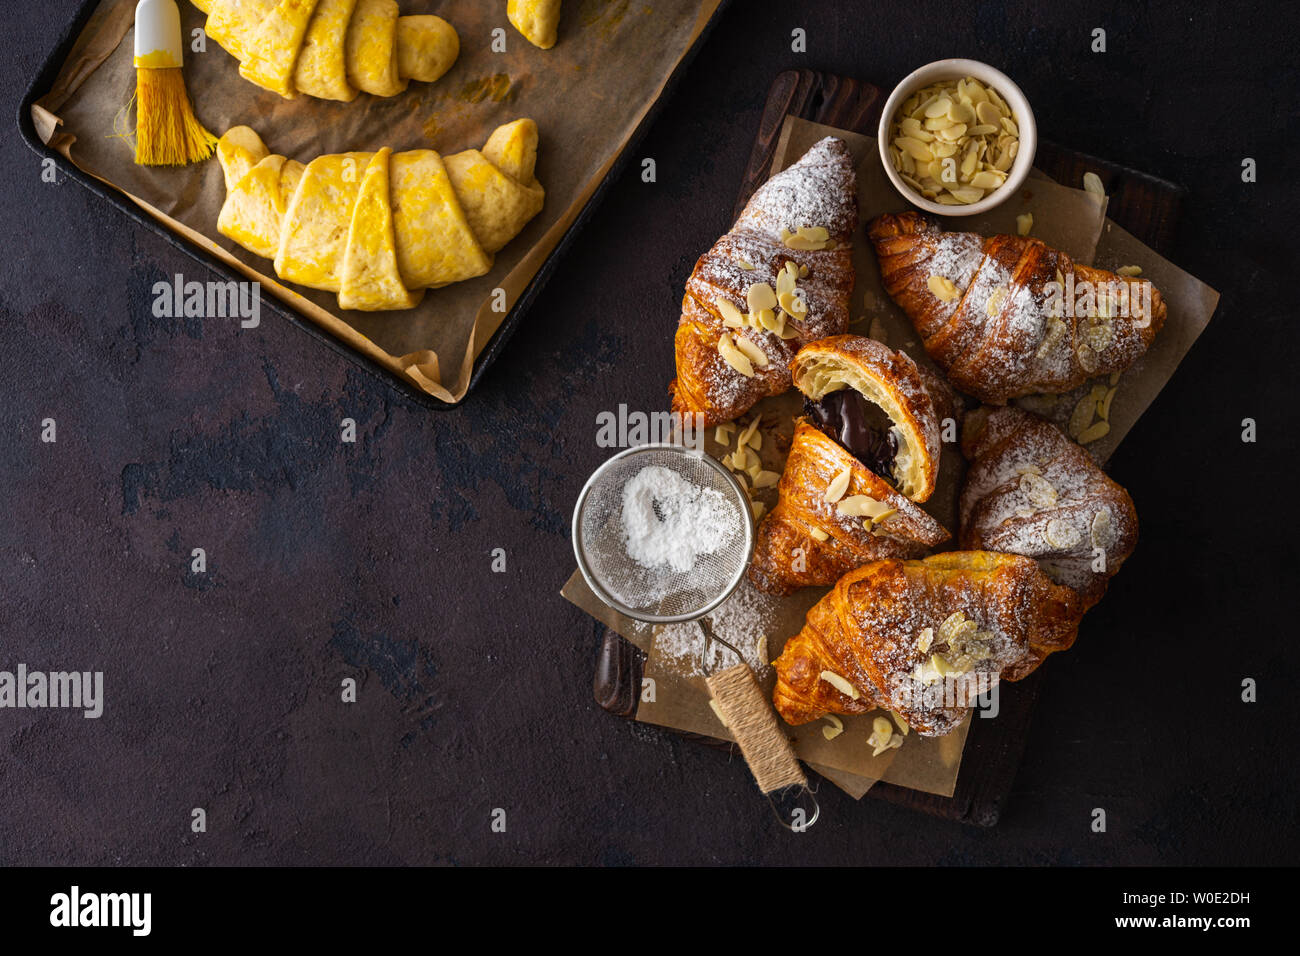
column 380, row 228
column 537, row 20
column 330, row 49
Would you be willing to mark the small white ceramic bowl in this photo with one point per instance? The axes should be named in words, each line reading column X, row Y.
column 953, row 70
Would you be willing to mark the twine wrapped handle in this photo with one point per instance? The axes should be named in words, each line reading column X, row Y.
column 752, row 722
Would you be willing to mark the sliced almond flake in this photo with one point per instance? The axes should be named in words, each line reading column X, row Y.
column 1024, row 223
column 766, row 479
column 1103, row 407
column 942, row 288
column 760, row 296
column 1092, row 184
column 758, row 508
column 1093, row 432
column 857, row 506
column 1081, row 417
column 734, row 357
column 881, row 732
column 1040, row 492
column 835, row 729
column 1129, row 271
column 1102, row 530
column 1061, row 534
column 818, row 534
column 752, row 351
column 841, row 684
column 746, row 266
column 995, row 298
column 839, row 485
column 732, row 317
column 950, row 626
column 748, row 432
column 925, row 639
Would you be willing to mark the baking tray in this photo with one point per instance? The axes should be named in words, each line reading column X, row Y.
column 54, row 61
column 1145, row 205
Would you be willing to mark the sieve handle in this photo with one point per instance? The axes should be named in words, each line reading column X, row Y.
column 751, row 720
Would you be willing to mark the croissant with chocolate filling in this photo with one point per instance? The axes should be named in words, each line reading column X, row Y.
column 1008, row 316
column 867, row 450
column 330, row 49
column 780, row 278
column 1032, row 491
column 923, row 638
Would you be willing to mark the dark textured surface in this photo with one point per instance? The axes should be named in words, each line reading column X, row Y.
column 373, row 560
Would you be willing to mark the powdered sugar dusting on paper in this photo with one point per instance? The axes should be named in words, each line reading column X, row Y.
column 742, row 620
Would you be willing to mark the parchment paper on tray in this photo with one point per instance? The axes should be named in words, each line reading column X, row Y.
column 1064, row 217
column 587, row 94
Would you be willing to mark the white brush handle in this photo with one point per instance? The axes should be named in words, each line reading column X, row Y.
column 158, row 35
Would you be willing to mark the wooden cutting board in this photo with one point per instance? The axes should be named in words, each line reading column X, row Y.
column 1144, row 205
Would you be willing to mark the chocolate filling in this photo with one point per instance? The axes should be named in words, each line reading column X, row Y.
column 859, row 426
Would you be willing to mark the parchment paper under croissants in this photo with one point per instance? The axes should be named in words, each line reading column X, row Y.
column 1042, row 527
column 380, row 228
column 331, row 49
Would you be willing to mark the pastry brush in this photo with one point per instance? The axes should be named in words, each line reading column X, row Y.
column 166, row 130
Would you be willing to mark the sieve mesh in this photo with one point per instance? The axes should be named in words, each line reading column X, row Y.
column 659, row 594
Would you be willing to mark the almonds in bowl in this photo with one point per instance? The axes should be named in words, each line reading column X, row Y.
column 957, row 137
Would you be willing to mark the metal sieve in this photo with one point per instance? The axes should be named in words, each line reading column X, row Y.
column 658, row 595
column 661, row 595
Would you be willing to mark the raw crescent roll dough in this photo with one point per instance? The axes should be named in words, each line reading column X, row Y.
column 436, row 246
column 315, row 231
column 427, row 46
column 273, row 51
column 331, row 48
column 322, row 64
column 537, row 20
column 379, row 228
column 370, row 277
column 372, row 48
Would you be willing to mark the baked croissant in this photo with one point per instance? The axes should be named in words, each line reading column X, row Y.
column 1008, row 316
column 537, row 20
column 868, row 448
column 380, row 228
column 1032, row 491
column 330, row 49
column 780, row 278
column 923, row 638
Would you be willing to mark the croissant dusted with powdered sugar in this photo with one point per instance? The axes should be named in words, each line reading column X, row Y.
column 780, row 278
column 1032, row 491
column 923, row 638
column 868, row 448
column 1007, row 315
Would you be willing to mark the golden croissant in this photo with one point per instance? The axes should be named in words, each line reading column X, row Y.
column 1032, row 491
column 867, row 450
column 330, row 49
column 1007, row 315
column 380, row 228
column 923, row 638
column 780, row 278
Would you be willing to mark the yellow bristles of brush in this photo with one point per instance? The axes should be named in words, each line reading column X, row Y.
column 167, row 133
